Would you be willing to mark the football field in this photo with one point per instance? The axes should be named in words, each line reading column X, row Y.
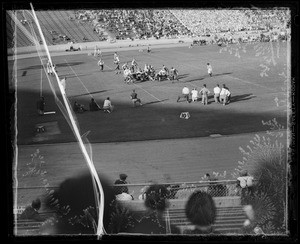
column 253, row 96
column 151, row 142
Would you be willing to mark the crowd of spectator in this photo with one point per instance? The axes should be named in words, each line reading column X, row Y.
column 73, row 203
column 215, row 24
column 134, row 24
column 205, row 22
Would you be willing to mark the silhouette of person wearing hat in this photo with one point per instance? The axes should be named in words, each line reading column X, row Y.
column 120, row 181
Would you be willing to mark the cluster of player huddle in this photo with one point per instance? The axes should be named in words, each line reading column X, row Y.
column 221, row 95
column 132, row 72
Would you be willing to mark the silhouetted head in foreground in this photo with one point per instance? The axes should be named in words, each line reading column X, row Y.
column 200, row 209
column 75, row 206
column 153, row 221
column 156, row 197
column 36, row 204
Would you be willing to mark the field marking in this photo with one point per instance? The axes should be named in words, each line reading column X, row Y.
column 148, row 93
column 217, row 61
column 248, row 82
column 141, row 87
column 135, row 84
column 245, row 81
column 78, row 78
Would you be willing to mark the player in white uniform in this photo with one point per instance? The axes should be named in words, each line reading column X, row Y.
column 117, row 63
column 115, row 55
column 101, row 64
column 194, row 95
column 209, row 69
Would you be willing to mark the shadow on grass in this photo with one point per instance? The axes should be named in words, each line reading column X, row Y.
column 228, row 73
column 75, row 76
column 155, row 102
column 195, row 79
column 182, row 76
column 206, row 77
column 39, row 66
column 152, row 123
column 242, row 97
column 84, row 94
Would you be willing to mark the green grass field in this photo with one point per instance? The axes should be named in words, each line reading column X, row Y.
column 253, row 96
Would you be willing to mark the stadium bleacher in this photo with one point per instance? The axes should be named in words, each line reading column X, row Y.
column 229, row 220
column 230, row 215
column 92, row 25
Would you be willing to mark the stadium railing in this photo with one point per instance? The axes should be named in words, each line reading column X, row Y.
column 226, row 194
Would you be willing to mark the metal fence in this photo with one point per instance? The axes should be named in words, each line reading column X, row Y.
column 176, row 190
column 182, row 190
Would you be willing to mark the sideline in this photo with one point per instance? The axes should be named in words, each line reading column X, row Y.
column 232, row 136
column 60, row 50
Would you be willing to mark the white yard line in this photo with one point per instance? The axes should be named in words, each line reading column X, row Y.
column 250, row 83
column 245, row 81
column 78, row 78
column 143, row 88
column 148, row 93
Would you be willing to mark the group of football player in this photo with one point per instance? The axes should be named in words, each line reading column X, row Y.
column 133, row 72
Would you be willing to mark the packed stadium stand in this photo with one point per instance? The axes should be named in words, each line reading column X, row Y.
column 100, row 25
column 202, row 22
column 123, row 24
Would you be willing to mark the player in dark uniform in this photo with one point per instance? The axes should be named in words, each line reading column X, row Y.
column 173, row 74
column 117, row 63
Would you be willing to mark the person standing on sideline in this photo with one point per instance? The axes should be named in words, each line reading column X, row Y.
column 185, row 94
column 217, row 91
column 224, row 94
column 101, row 64
column 194, row 95
column 209, row 69
column 107, row 106
column 204, row 91
column 134, row 98
column 229, row 94
column 41, row 106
